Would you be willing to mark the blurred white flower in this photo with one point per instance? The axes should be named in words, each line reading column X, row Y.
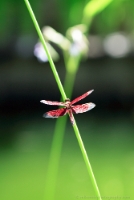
column 41, row 55
column 79, row 45
column 76, row 35
column 74, row 44
column 57, row 38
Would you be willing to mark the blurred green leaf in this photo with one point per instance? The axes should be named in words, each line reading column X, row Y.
column 93, row 8
column 111, row 18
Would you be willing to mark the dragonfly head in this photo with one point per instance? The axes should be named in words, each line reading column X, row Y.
column 67, row 100
column 67, row 103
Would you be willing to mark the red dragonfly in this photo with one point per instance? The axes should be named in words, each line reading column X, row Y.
column 68, row 107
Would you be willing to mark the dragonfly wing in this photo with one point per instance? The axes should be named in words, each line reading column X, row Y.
column 82, row 108
column 82, row 96
column 54, row 103
column 55, row 113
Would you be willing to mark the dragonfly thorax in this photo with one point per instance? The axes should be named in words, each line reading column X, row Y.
column 67, row 103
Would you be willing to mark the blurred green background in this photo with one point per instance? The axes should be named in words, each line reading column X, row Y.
column 107, row 131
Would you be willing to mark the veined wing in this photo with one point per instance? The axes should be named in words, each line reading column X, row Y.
column 82, row 108
column 54, row 103
column 81, row 97
column 55, row 113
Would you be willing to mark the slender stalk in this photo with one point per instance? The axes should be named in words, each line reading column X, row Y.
column 57, row 142
column 64, row 97
column 54, row 159
column 46, row 49
column 85, row 156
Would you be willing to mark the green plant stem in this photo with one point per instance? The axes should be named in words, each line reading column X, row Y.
column 54, row 158
column 64, row 97
column 55, row 153
column 57, row 142
column 89, row 168
column 46, row 49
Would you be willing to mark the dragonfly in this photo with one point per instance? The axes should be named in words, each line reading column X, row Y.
column 68, row 107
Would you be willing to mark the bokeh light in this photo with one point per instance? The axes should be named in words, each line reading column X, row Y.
column 117, row 45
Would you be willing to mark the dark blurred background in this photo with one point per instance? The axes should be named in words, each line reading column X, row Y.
column 107, row 131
